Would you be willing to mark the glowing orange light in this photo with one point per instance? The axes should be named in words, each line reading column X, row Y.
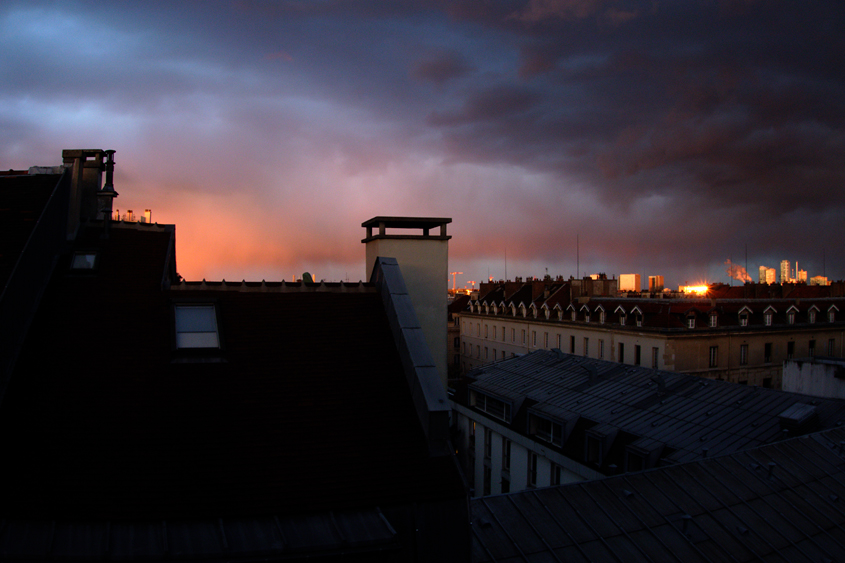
column 695, row 289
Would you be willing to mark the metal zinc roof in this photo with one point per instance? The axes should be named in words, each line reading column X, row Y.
column 690, row 416
column 779, row 502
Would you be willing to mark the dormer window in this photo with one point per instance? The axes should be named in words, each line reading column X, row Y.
column 790, row 317
column 743, row 319
column 622, row 319
column 767, row 318
column 602, row 317
column 714, row 320
column 196, row 326
column 490, row 405
column 574, row 314
column 639, row 319
column 690, row 322
column 84, row 261
column 812, row 316
column 831, row 315
column 544, row 429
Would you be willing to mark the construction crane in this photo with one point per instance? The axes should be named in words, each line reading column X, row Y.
column 453, row 274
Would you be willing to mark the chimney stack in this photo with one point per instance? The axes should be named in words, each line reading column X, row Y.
column 423, row 259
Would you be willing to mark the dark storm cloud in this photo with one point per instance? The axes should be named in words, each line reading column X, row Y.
column 442, row 67
column 666, row 134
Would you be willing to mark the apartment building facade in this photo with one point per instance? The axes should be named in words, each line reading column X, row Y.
column 742, row 340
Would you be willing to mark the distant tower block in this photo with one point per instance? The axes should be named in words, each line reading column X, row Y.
column 421, row 247
column 655, row 284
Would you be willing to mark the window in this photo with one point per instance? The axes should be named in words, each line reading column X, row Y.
column 478, row 351
column 457, row 342
column 768, row 319
column 196, row 326
column 492, row 406
column 494, row 332
column 534, row 338
column 812, row 315
column 812, row 348
column 574, row 314
column 84, row 261
column 486, row 355
column 532, row 469
column 655, row 355
column 513, row 335
column 622, row 319
column 503, row 354
column 554, row 477
column 488, row 443
column 621, row 353
column 790, row 349
column 637, row 355
column 690, row 322
column 488, row 475
column 639, row 319
column 571, row 344
column 523, row 337
column 714, row 356
column 714, row 321
column 602, row 317
column 503, row 334
column 831, row 315
column 767, row 352
column 477, row 329
column 546, row 340
column 790, row 317
column 743, row 319
column 743, row 354
column 506, row 454
column 601, row 349
column 586, row 346
column 767, row 382
column 544, row 429
column 486, row 331
column 831, row 347
column 506, row 485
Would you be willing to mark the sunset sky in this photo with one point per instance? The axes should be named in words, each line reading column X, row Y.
column 666, row 137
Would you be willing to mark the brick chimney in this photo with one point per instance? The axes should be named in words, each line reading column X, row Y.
column 422, row 250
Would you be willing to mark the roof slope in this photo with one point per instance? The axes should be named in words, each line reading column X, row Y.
column 22, row 199
column 691, row 416
column 780, row 502
column 304, row 409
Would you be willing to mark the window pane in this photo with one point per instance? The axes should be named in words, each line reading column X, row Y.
column 83, row 261
column 197, row 340
column 195, row 319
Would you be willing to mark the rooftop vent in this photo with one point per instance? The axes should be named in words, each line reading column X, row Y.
column 800, row 417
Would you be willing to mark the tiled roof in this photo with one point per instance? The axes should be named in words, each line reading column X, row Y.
column 779, row 502
column 691, row 416
column 305, row 408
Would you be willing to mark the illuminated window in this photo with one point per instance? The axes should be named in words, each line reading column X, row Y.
column 196, row 326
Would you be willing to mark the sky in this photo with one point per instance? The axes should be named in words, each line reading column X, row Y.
column 567, row 137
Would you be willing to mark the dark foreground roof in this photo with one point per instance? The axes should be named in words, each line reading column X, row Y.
column 781, row 502
column 108, row 432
